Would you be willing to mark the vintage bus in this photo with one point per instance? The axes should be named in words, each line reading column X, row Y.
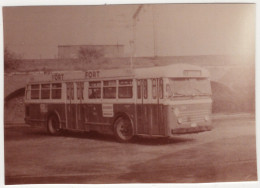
column 154, row 101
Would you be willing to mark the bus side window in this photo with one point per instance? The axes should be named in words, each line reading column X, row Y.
column 56, row 91
column 145, row 93
column 161, row 88
column 80, row 88
column 109, row 89
column 70, row 90
column 45, row 91
column 125, row 89
column 94, row 90
column 139, row 89
column 154, row 88
column 28, row 91
column 35, row 91
column 142, row 89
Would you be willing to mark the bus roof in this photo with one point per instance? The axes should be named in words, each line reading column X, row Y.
column 171, row 71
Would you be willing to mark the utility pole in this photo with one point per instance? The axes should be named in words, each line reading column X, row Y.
column 154, row 33
column 135, row 16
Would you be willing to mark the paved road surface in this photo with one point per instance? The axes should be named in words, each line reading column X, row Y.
column 228, row 153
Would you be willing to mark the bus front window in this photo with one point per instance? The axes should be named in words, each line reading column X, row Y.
column 188, row 87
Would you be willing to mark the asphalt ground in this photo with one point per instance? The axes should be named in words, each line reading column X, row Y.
column 225, row 154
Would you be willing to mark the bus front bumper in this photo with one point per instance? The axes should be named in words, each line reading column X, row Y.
column 188, row 130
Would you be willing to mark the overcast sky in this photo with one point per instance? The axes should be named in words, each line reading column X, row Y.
column 164, row 30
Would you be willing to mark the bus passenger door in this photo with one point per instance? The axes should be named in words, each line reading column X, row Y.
column 157, row 116
column 142, row 107
column 70, row 109
column 80, row 106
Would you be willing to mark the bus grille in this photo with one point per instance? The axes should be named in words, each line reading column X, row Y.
column 195, row 115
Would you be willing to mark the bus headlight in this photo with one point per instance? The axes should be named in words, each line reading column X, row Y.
column 206, row 118
column 176, row 111
column 179, row 120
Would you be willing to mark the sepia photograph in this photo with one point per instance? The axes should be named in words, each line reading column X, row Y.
column 129, row 93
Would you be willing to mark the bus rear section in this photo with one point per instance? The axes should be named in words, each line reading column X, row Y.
column 44, row 100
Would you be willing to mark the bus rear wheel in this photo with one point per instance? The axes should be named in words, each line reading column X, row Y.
column 53, row 126
column 123, row 129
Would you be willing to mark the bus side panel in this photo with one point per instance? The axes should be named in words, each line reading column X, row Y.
column 139, row 120
column 162, row 125
column 33, row 116
column 75, row 116
column 147, row 119
column 38, row 113
column 80, row 114
column 93, row 113
column 34, row 112
column 155, row 123
column 71, row 115
column 143, row 118
column 157, row 120
column 95, row 119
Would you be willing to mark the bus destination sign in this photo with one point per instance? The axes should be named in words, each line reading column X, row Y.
column 57, row 76
column 92, row 74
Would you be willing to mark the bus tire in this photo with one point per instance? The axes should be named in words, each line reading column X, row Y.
column 123, row 129
column 53, row 125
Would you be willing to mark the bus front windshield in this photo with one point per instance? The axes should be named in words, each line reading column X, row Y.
column 188, row 87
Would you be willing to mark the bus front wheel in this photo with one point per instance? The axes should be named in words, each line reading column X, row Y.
column 53, row 126
column 123, row 129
